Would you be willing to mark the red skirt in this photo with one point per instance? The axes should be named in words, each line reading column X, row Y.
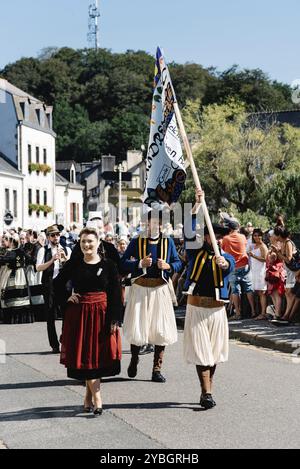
column 86, row 344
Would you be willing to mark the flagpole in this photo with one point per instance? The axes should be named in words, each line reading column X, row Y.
column 191, row 161
column 195, row 176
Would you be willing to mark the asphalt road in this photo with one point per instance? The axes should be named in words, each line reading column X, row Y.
column 257, row 395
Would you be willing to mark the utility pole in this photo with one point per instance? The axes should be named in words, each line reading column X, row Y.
column 120, row 169
column 93, row 34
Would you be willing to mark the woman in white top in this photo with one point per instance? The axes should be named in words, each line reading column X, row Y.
column 258, row 266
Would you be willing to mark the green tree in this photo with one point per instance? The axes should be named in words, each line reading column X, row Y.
column 237, row 157
column 253, row 87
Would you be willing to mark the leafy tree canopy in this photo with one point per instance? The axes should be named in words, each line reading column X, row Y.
column 244, row 164
column 110, row 93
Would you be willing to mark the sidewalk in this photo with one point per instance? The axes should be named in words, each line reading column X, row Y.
column 259, row 333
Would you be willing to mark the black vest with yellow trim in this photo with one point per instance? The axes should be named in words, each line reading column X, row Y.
column 201, row 260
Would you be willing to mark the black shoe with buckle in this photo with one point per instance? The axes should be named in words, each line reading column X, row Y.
column 206, row 401
column 132, row 369
column 157, row 377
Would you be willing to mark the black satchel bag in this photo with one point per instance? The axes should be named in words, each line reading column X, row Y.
column 294, row 264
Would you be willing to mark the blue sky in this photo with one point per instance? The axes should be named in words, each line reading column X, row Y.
column 258, row 34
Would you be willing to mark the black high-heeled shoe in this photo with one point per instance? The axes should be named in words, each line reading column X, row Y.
column 88, row 409
column 98, row 411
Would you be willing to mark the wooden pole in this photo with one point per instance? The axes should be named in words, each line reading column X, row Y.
column 196, row 177
column 188, row 150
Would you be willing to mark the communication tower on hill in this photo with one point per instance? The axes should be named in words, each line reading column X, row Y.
column 93, row 34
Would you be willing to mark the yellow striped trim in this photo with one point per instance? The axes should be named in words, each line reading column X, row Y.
column 145, row 247
column 203, row 260
column 221, row 277
column 214, row 268
column 140, row 248
column 196, row 262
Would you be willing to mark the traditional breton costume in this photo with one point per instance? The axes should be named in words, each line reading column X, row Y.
column 88, row 348
column 149, row 313
column 52, row 311
column 14, row 289
column 206, row 337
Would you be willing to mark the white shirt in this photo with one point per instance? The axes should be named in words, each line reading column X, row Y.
column 41, row 257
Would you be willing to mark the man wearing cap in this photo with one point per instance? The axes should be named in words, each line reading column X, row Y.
column 50, row 260
column 149, row 314
column 206, row 337
column 240, row 279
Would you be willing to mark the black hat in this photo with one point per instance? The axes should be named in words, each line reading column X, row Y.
column 218, row 229
column 232, row 224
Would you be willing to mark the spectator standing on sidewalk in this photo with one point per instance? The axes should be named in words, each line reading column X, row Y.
column 275, row 276
column 285, row 254
column 240, row 279
column 258, row 266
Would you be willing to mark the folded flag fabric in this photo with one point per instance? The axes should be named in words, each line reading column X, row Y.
column 165, row 172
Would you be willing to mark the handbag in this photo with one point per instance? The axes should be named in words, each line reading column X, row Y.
column 294, row 264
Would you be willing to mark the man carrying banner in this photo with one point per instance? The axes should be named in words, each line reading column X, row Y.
column 206, row 340
column 149, row 314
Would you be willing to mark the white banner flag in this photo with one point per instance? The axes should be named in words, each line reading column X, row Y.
column 165, row 172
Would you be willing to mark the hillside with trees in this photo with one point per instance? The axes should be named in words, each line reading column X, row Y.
column 102, row 105
column 102, row 100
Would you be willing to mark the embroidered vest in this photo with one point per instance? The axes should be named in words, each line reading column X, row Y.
column 202, row 258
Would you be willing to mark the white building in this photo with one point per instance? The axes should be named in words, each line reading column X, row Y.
column 70, row 194
column 11, row 189
column 27, row 165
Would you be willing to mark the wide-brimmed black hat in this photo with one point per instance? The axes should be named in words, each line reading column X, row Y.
column 218, row 229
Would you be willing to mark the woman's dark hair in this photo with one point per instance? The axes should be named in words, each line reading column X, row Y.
column 282, row 232
column 257, row 231
column 88, row 231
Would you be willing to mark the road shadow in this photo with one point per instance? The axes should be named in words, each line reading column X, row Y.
column 40, row 384
column 42, row 413
column 62, row 383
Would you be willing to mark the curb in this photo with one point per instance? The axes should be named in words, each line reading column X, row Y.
column 262, row 340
